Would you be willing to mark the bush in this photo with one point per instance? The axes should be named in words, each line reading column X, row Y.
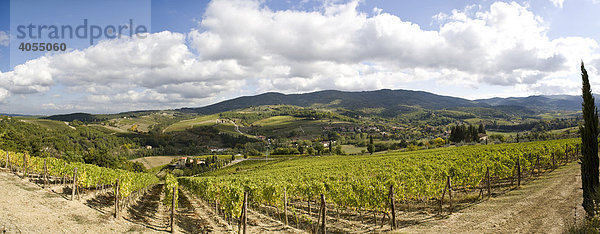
column 584, row 227
column 285, row 151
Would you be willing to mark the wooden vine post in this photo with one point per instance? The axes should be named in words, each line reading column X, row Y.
column 7, row 161
column 566, row 154
column 323, row 213
column 553, row 162
column 489, row 188
column 24, row 165
column 518, row 172
column 117, row 199
column 173, row 211
column 45, row 174
column 442, row 199
column 392, row 208
column 74, row 184
column 450, row 193
column 285, row 205
column 245, row 212
column 539, row 169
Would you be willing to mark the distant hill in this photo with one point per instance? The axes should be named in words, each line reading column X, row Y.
column 83, row 117
column 396, row 101
column 385, row 98
column 384, row 103
column 540, row 103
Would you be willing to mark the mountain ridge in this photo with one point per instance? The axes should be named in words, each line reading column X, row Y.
column 386, row 98
column 393, row 102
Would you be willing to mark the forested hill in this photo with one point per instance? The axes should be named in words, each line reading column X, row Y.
column 396, row 101
column 542, row 102
column 385, row 98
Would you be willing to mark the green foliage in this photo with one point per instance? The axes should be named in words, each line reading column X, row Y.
column 285, row 151
column 371, row 148
column 82, row 117
column 88, row 175
column 464, row 133
column 589, row 147
column 587, row 226
column 170, row 183
column 363, row 181
column 81, row 144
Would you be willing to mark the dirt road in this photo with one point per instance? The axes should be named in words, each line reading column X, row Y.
column 27, row 208
column 546, row 205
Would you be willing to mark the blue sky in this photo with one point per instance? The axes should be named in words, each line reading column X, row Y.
column 201, row 52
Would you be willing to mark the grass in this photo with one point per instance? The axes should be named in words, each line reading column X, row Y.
column 143, row 124
column 106, row 128
column 49, row 124
column 276, row 121
column 572, row 129
column 189, row 123
column 350, row 149
column 505, row 134
column 244, row 166
column 281, row 126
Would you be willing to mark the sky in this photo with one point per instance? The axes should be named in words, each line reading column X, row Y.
column 195, row 53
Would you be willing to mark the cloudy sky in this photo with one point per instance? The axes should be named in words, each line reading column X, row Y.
column 201, row 52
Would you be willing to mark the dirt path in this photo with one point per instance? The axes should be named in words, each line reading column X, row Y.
column 260, row 223
column 27, row 208
column 546, row 205
column 211, row 221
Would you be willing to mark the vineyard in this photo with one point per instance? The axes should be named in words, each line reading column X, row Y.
column 349, row 193
column 358, row 183
column 83, row 176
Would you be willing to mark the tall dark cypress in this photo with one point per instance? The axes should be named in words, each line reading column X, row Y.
column 589, row 146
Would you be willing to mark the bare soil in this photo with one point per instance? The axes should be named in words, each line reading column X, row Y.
column 27, row 208
column 546, row 205
column 154, row 161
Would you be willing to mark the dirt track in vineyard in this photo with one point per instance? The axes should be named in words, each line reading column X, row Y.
column 546, row 205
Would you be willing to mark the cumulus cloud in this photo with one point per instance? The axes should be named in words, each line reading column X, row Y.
column 505, row 45
column 243, row 46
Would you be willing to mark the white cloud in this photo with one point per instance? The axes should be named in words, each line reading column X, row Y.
column 4, row 38
column 558, row 3
column 504, row 45
column 243, row 46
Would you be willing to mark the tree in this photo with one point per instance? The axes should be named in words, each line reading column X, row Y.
column 438, row 141
column 481, row 129
column 319, row 147
column 589, row 146
column 301, row 148
column 371, row 146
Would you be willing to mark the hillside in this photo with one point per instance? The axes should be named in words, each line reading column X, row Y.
column 539, row 103
column 395, row 100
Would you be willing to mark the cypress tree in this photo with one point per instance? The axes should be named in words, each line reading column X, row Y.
column 589, row 146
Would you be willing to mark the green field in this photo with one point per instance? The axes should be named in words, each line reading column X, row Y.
column 49, row 124
column 282, row 126
column 350, row 149
column 243, row 166
column 277, row 120
column 189, row 123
